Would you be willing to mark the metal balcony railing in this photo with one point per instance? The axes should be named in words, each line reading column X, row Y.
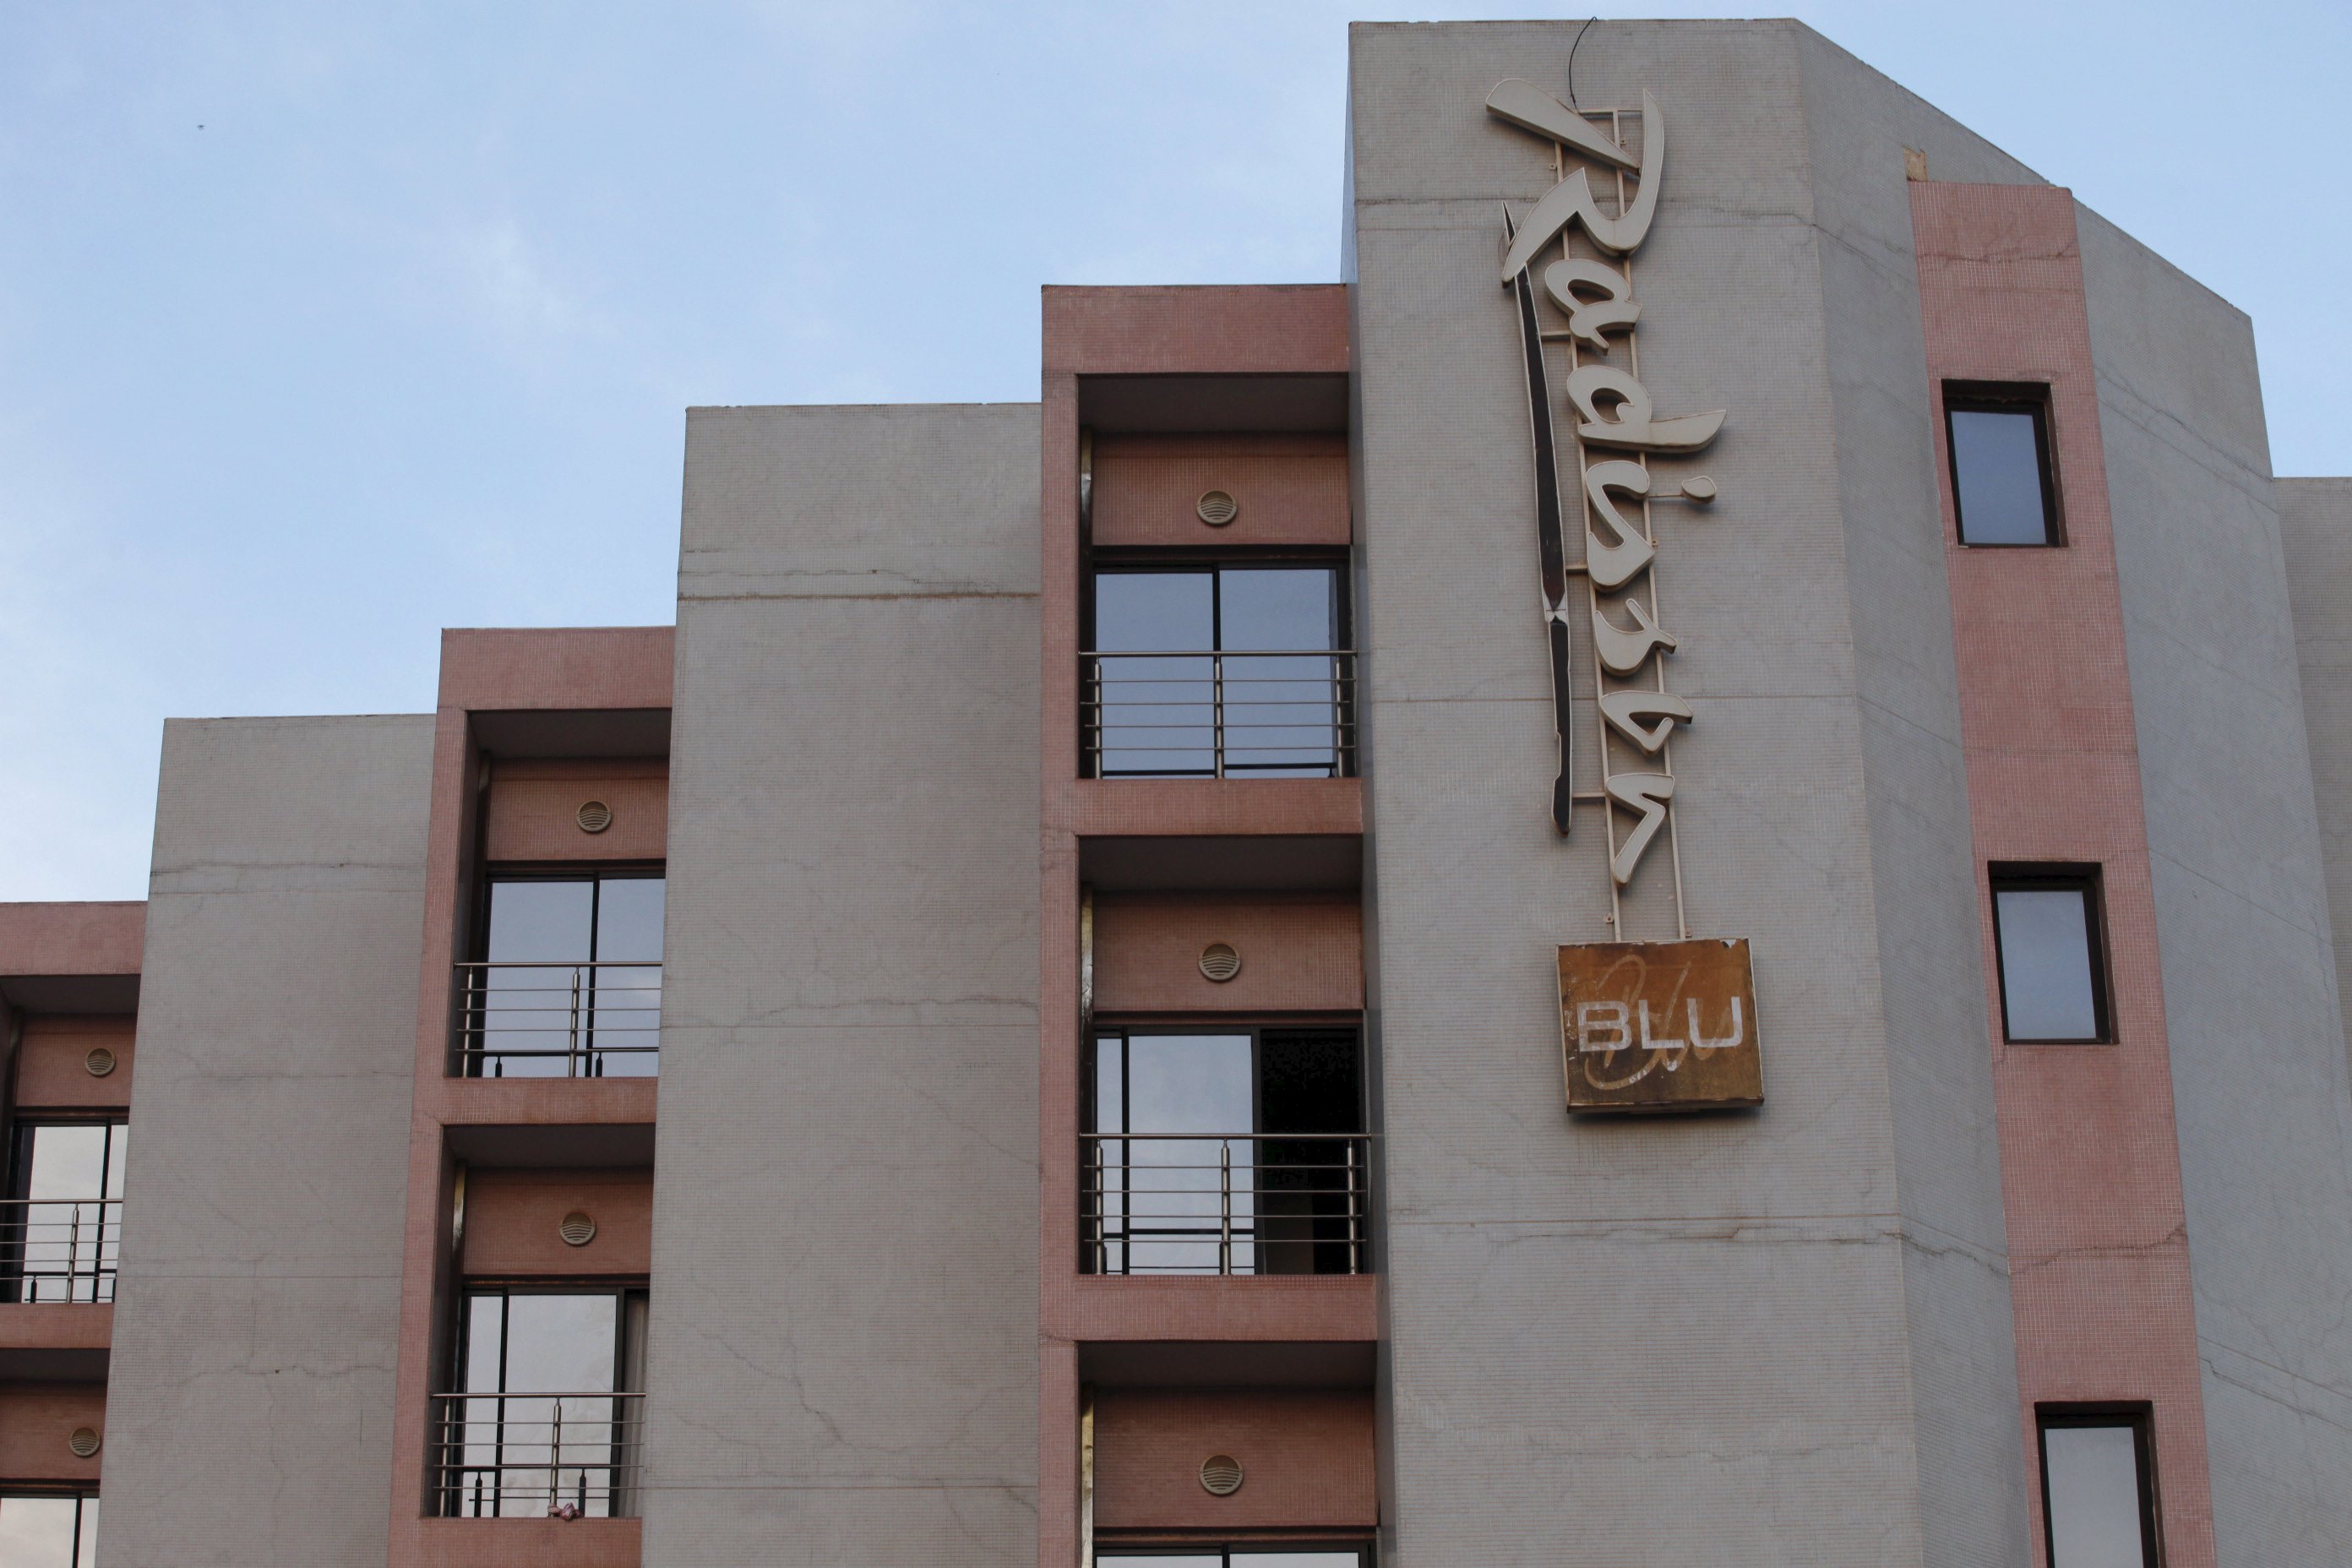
column 1219, row 714
column 1274, row 1203
column 559, row 1020
column 528, row 1455
column 60, row 1250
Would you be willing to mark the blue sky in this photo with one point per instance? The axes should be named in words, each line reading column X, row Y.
column 322, row 327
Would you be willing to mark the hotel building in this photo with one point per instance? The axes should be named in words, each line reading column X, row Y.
column 1650, row 884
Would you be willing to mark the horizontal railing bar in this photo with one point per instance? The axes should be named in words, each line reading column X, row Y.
column 560, row 963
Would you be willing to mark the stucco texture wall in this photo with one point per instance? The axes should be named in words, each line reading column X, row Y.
column 1777, row 1336
column 249, row 1406
column 843, row 1353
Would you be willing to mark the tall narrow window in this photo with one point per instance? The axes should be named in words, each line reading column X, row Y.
column 2004, row 487
column 544, row 1416
column 63, row 1230
column 2049, row 936
column 570, row 981
column 1218, row 671
column 52, row 1530
column 2098, row 1490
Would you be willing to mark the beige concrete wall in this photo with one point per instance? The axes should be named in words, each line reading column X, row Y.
column 2265, row 1110
column 1699, row 1339
column 844, row 1342
column 250, row 1407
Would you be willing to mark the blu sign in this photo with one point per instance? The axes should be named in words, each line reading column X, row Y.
column 1659, row 1025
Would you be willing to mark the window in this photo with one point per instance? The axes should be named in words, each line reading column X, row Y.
column 2098, row 1489
column 2004, row 488
column 62, row 1234
column 1232, row 1151
column 1219, row 670
column 544, row 1417
column 570, row 981
column 48, row 1530
column 2050, row 938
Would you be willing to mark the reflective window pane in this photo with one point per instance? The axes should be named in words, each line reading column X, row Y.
column 45, row 1533
column 1155, row 612
column 547, row 1433
column 1280, row 711
column 1997, row 476
column 1276, row 608
column 2048, row 977
column 63, row 1241
column 1154, row 715
column 2095, row 1519
column 533, row 996
column 540, row 923
column 627, row 1020
column 1186, row 1189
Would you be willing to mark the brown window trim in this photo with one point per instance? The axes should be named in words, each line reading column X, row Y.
column 2007, row 876
column 2008, row 398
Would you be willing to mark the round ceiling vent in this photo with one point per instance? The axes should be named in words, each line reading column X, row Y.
column 577, row 1229
column 1219, row 962
column 84, row 1442
column 99, row 1062
column 1221, row 1475
column 594, row 816
column 1218, row 509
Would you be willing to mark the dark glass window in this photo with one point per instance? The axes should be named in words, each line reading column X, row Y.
column 48, row 1530
column 2098, row 1490
column 1232, row 1151
column 543, row 1417
column 570, row 981
column 61, row 1236
column 1218, row 670
column 2049, row 935
column 2004, row 485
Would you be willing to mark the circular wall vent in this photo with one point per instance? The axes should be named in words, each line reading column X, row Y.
column 1218, row 509
column 84, row 1442
column 1219, row 962
column 594, row 816
column 1221, row 1475
column 577, row 1229
column 99, row 1062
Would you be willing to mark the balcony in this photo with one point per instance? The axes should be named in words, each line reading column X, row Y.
column 537, row 1456
column 1219, row 714
column 1259, row 1205
column 58, row 1250
column 543, row 1019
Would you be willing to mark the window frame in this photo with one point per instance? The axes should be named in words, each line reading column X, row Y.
column 2011, row 876
column 2007, row 397
column 2140, row 1418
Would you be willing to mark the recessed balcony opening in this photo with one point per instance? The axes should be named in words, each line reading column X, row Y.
column 1218, row 670
column 1225, row 1150
column 61, row 1229
column 546, row 1418
column 568, row 980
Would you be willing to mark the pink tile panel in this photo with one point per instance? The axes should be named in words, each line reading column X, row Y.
column 2090, row 1157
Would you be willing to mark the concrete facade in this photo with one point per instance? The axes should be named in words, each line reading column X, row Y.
column 849, row 1020
column 896, row 1308
column 249, row 1403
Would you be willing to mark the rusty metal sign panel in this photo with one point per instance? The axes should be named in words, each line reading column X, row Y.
column 1659, row 1025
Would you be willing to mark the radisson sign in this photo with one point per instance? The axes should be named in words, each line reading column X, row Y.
column 1644, row 1026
